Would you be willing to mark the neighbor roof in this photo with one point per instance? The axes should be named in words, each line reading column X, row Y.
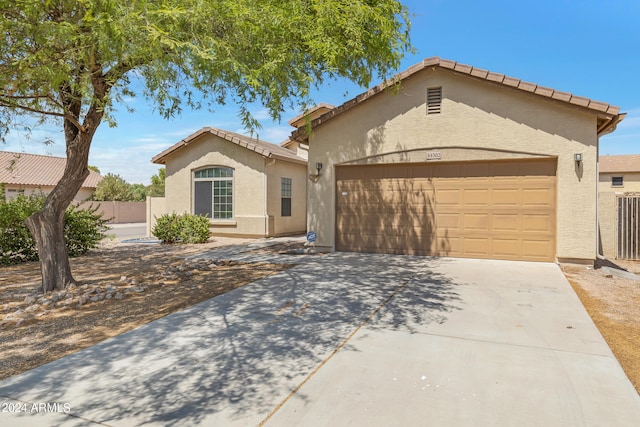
column 265, row 149
column 624, row 163
column 608, row 115
column 37, row 170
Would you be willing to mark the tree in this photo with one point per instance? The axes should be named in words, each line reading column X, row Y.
column 113, row 187
column 138, row 192
column 93, row 168
column 156, row 189
column 72, row 61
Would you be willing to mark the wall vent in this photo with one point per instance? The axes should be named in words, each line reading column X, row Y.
column 434, row 100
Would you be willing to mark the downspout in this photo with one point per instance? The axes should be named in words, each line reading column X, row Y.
column 267, row 162
column 608, row 127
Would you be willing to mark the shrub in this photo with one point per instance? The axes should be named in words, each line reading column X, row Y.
column 83, row 229
column 185, row 228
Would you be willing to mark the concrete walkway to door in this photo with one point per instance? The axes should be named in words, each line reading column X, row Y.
column 351, row 339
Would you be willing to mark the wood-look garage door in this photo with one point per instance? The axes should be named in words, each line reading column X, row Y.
column 498, row 210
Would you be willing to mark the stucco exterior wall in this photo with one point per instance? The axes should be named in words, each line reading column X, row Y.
column 631, row 182
column 249, row 195
column 479, row 120
column 297, row 222
column 155, row 208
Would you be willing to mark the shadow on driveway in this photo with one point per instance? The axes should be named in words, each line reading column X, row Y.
column 232, row 359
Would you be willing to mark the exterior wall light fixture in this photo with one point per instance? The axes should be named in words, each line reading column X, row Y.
column 315, row 177
column 578, row 158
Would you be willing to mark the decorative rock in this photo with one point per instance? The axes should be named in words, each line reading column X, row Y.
column 119, row 296
column 82, row 300
column 30, row 299
column 32, row 308
column 109, row 295
column 95, row 298
column 123, row 278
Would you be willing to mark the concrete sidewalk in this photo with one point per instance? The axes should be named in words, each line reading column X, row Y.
column 350, row 339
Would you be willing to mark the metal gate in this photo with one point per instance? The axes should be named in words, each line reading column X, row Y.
column 628, row 229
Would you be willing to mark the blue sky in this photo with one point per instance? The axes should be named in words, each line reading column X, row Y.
column 588, row 48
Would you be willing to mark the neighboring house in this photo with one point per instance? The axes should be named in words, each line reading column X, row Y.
column 619, row 206
column 246, row 186
column 458, row 161
column 32, row 173
column 620, row 174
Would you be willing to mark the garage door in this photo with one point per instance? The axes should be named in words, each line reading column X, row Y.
column 498, row 210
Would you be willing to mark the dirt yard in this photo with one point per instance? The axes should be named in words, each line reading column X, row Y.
column 123, row 286
column 614, row 305
column 120, row 288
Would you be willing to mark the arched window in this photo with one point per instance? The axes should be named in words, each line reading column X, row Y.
column 213, row 192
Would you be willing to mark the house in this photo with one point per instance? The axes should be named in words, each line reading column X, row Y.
column 246, row 187
column 620, row 174
column 301, row 120
column 619, row 206
column 32, row 173
column 458, row 161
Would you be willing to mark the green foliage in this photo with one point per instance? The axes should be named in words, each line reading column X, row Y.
column 191, row 52
column 16, row 243
column 93, row 168
column 185, row 228
column 156, row 189
column 83, row 229
column 138, row 192
column 113, row 187
column 3, row 196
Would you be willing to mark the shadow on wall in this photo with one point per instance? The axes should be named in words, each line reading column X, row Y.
column 235, row 357
column 379, row 210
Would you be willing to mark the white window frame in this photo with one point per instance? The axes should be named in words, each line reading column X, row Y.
column 216, row 179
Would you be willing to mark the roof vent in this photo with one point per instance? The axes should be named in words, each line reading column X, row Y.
column 434, row 100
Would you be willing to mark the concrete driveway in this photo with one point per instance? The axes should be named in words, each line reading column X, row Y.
column 349, row 339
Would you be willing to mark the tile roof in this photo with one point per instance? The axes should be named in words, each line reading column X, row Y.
column 265, row 149
column 624, row 163
column 609, row 115
column 313, row 112
column 37, row 170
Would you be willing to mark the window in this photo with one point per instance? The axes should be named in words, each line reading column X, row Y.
column 285, row 194
column 617, row 181
column 434, row 100
column 213, row 193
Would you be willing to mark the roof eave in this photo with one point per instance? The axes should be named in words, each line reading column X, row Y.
column 601, row 109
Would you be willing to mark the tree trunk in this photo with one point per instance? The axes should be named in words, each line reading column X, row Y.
column 47, row 228
column 47, row 225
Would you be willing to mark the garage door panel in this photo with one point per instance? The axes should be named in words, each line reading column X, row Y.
column 536, row 250
column 503, row 210
column 476, row 247
column 448, row 197
column 507, row 248
column 476, row 222
column 506, row 222
column 537, row 223
column 506, row 197
column 477, row 197
column 537, row 197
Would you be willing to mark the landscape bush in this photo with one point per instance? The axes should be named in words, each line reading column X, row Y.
column 184, row 228
column 83, row 229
